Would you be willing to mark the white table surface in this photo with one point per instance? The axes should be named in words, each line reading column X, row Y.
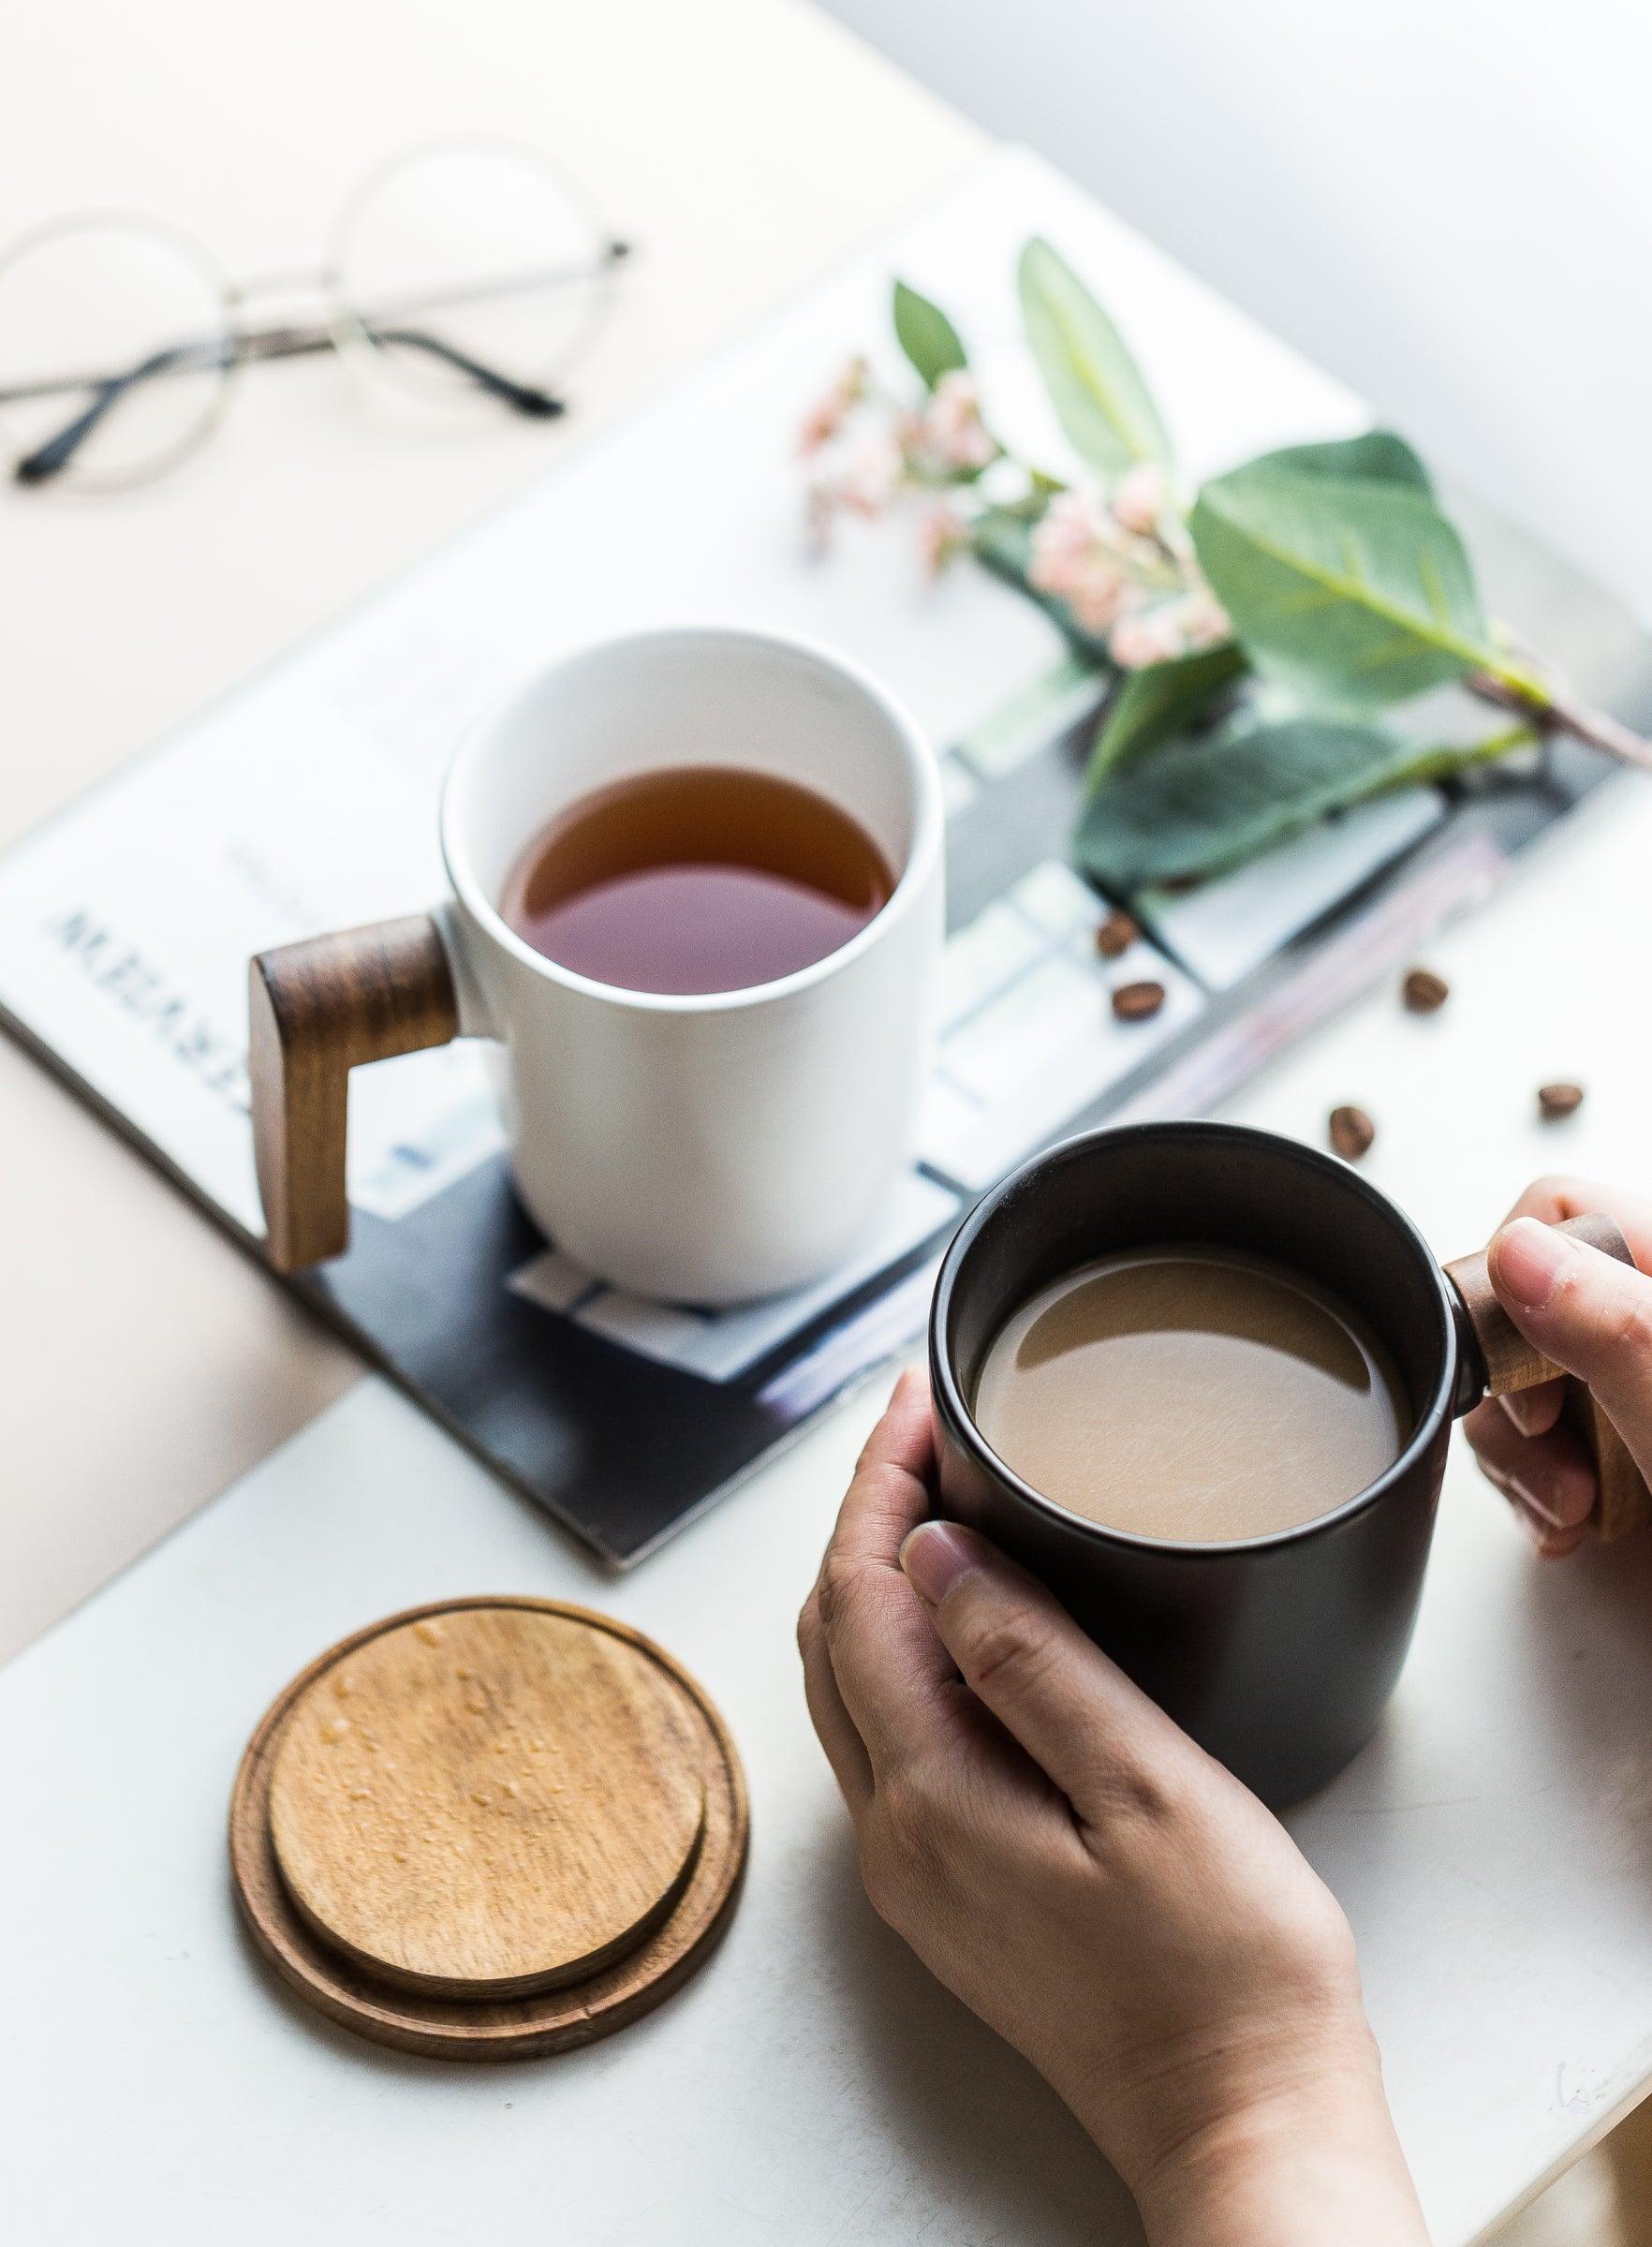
column 1490, row 1847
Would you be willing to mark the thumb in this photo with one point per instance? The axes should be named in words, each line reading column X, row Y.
column 1587, row 1313
column 1075, row 1712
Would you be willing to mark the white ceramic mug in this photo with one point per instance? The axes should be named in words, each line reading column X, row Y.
column 704, row 1149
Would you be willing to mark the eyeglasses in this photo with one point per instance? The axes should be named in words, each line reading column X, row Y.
column 463, row 272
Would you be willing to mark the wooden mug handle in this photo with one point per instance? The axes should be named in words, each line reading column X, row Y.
column 1510, row 1363
column 316, row 1010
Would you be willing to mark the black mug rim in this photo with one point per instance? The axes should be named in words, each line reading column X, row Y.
column 947, row 1390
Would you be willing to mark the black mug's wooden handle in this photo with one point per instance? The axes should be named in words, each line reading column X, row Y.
column 1510, row 1363
column 317, row 1010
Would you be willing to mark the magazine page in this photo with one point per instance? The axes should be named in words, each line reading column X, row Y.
column 306, row 801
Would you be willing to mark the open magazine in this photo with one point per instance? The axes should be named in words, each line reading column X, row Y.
column 305, row 801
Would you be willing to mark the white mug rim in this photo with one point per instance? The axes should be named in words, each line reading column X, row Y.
column 921, row 857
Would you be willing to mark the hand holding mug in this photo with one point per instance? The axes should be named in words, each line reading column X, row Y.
column 1089, row 1882
column 1583, row 1312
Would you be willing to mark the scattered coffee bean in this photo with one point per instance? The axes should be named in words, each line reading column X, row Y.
column 1425, row 992
column 1116, row 934
column 1554, row 1100
column 1351, row 1132
column 1134, row 1002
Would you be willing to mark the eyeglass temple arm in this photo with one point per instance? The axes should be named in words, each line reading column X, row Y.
column 522, row 397
column 50, row 458
column 53, row 456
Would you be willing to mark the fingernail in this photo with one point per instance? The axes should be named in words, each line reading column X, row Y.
column 1515, row 1404
column 1575, row 1497
column 1559, row 1543
column 1545, row 1537
column 1531, row 1524
column 1528, row 1261
column 937, row 1556
column 1564, row 1501
column 1531, row 1410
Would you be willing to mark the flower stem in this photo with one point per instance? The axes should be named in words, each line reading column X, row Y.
column 1555, row 710
column 1447, row 763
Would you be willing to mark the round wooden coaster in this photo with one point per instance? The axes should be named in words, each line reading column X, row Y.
column 417, row 1868
column 488, row 1804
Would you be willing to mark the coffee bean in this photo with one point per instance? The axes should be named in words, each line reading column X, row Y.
column 1425, row 992
column 1351, row 1132
column 1135, row 1002
column 1116, row 934
column 1554, row 1100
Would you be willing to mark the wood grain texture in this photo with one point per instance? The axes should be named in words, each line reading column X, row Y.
column 316, row 1010
column 487, row 1805
column 495, row 2026
column 1625, row 1502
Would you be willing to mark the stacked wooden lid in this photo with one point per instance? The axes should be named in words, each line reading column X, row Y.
column 488, row 1828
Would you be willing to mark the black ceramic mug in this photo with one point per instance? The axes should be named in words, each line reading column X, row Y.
column 1278, row 1653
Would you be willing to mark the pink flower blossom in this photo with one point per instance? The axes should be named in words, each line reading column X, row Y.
column 1170, row 628
column 1139, row 498
column 871, row 474
column 826, row 416
column 1205, row 621
column 1152, row 637
column 949, row 433
column 820, row 514
column 861, row 477
column 1073, row 560
column 942, row 533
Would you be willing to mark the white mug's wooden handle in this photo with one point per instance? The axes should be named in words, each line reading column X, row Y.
column 316, row 1010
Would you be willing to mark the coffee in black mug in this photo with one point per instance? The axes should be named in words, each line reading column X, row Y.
column 1277, row 1647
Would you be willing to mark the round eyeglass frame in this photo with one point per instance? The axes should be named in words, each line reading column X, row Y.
column 340, row 326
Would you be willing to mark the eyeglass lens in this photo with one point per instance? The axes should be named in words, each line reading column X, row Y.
column 113, row 330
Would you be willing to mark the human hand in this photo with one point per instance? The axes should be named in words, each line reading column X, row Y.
column 1091, row 1883
column 1588, row 1313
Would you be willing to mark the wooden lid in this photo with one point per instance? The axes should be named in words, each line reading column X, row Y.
column 492, row 1827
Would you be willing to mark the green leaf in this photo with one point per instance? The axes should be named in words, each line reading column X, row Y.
column 1201, row 806
column 1376, row 457
column 926, row 335
column 1160, row 699
column 1095, row 387
column 1356, row 591
column 1205, row 805
column 1001, row 539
